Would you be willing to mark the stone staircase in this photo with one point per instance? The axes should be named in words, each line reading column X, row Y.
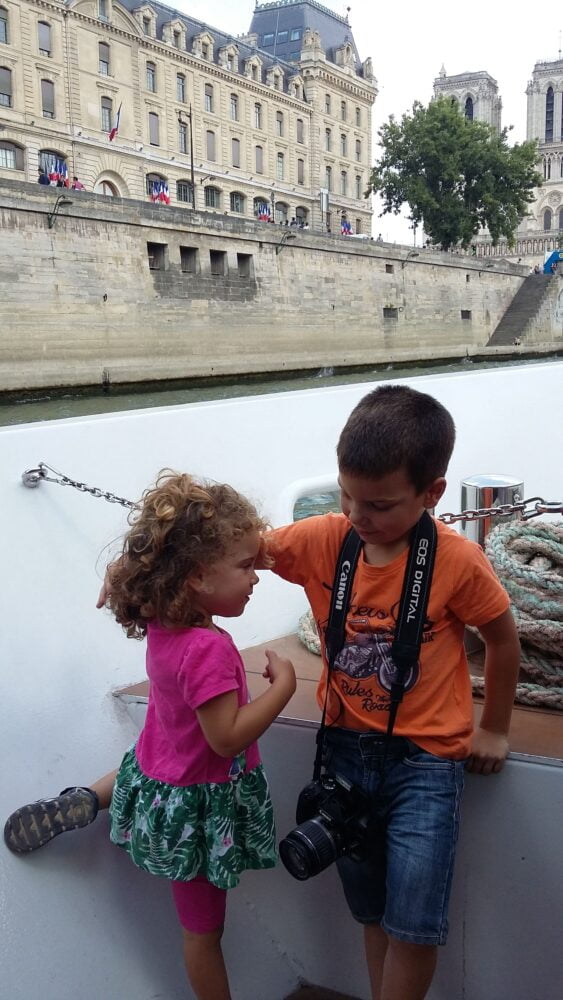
column 521, row 310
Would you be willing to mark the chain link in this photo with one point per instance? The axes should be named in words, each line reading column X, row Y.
column 533, row 507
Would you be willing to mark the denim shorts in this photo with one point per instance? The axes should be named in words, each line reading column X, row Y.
column 404, row 882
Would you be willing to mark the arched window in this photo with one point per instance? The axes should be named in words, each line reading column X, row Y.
column 107, row 116
column 11, row 156
column 261, row 209
column 184, row 192
column 103, row 58
column 210, row 144
column 549, row 115
column 107, row 188
column 301, row 214
column 47, row 98
column 152, row 180
column 5, row 87
column 280, row 166
column 3, row 25
column 300, row 130
column 257, row 116
column 44, row 38
column 180, row 87
column 50, row 161
column 469, row 108
column 154, row 129
column 151, row 77
column 359, row 186
column 328, row 139
column 547, row 217
column 208, row 97
column 343, row 144
column 237, row 202
column 282, row 211
column 235, row 152
column 259, row 160
column 343, row 182
column 212, row 197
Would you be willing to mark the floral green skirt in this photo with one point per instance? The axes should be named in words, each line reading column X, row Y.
column 217, row 830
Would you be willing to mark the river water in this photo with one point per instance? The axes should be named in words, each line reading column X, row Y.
column 31, row 407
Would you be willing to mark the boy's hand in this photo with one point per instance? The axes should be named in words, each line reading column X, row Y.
column 488, row 752
column 280, row 671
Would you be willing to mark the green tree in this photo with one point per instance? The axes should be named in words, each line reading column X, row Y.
column 457, row 176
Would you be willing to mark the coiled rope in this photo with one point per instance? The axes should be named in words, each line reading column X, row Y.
column 528, row 559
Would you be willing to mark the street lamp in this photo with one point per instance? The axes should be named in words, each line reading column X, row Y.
column 182, row 122
column 61, row 200
column 410, row 255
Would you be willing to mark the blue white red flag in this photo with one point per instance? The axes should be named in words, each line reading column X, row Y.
column 115, row 129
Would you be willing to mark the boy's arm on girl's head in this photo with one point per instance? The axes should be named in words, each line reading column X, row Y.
column 502, row 663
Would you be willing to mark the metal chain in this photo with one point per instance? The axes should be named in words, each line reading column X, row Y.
column 533, row 507
column 32, row 478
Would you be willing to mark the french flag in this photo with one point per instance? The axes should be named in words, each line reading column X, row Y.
column 59, row 172
column 160, row 192
column 115, row 128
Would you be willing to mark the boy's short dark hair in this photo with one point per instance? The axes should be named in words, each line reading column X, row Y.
column 397, row 427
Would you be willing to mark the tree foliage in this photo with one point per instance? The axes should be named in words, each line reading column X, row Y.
column 457, row 176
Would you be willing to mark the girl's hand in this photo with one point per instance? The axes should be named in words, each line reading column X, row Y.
column 280, row 671
column 105, row 591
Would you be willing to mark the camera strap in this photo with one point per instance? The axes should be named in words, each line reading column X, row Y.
column 405, row 648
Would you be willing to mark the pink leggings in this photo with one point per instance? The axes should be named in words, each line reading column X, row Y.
column 200, row 905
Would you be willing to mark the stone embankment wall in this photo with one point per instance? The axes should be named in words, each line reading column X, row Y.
column 125, row 291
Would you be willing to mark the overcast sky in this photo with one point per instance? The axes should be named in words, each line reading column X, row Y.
column 409, row 41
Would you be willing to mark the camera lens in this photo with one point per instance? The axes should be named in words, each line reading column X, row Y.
column 308, row 849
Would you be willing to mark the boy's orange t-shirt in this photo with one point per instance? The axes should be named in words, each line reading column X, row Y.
column 436, row 711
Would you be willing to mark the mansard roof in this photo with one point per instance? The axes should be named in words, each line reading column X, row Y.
column 286, row 16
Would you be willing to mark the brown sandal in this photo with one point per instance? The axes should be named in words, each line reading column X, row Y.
column 31, row 826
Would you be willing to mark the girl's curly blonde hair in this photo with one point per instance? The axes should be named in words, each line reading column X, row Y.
column 180, row 525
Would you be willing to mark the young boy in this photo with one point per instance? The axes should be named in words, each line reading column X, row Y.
column 392, row 455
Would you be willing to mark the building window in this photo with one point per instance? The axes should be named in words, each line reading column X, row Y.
column 107, row 116
column 343, row 182
column 547, row 217
column 358, row 150
column 103, row 59
column 103, row 10
column 180, row 87
column 295, row 34
column 218, row 262
column 235, row 152
column 561, row 220
column 244, row 265
column 177, row 38
column 390, row 312
column 300, row 130
column 281, row 211
column 50, row 161
column 234, row 108
column 328, row 140
column 237, row 202
column 358, row 226
column 11, row 156
column 259, row 160
column 189, row 260
column 257, row 116
column 151, row 77
column 301, row 171
column 184, row 192
column 327, row 104
column 359, row 185
column 212, row 197
column 466, row 313
column 3, row 25
column 47, row 98
column 328, row 178
column 255, row 71
column 210, row 145
column 279, row 123
column 205, row 50
column 279, row 166
column 6, row 87
column 389, row 269
column 469, row 108
column 343, row 111
column 154, row 181
column 44, row 37
column 282, row 37
column 156, row 253
column 268, row 39
column 182, row 138
column 230, row 63
column 358, row 117
column 343, row 144
column 154, row 136
column 147, row 25
column 549, row 115
column 208, row 97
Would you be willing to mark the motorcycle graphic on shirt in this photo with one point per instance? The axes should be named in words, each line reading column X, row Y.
column 369, row 655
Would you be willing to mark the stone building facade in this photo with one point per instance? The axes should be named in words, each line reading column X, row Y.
column 476, row 94
column 210, row 121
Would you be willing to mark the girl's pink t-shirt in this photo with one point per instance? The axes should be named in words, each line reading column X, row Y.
column 186, row 668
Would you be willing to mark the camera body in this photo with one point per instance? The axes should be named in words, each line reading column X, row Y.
column 333, row 820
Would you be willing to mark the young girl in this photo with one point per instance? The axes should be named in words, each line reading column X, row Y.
column 190, row 801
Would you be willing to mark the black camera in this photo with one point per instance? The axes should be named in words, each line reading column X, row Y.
column 333, row 820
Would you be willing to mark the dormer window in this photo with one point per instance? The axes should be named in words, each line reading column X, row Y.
column 205, row 50
column 176, row 38
column 147, row 25
column 3, row 25
column 103, row 10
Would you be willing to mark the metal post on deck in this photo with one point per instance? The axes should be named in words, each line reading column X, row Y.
column 488, row 490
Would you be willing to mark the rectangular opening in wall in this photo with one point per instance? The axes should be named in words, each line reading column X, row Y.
column 389, row 269
column 390, row 312
column 218, row 262
column 189, row 260
column 244, row 264
column 156, row 253
column 466, row 313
